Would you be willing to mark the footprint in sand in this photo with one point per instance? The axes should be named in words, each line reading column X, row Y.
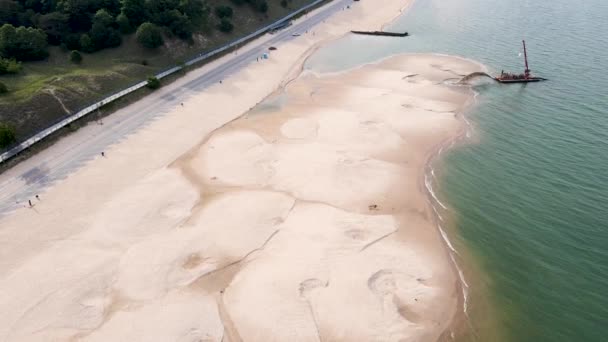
column 386, row 283
column 356, row 234
column 309, row 285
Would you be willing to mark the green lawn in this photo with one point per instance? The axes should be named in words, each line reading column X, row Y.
column 41, row 93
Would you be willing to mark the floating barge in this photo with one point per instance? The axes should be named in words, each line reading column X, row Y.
column 382, row 33
column 526, row 77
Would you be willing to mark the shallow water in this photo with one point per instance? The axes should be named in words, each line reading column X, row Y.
column 530, row 196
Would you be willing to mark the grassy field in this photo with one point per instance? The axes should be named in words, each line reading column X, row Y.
column 47, row 91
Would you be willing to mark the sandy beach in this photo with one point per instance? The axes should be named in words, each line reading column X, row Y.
column 307, row 221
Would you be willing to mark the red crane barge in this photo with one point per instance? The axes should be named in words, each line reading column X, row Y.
column 506, row 77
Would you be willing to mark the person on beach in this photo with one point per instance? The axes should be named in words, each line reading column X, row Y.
column 30, row 202
column 103, row 154
column 38, row 197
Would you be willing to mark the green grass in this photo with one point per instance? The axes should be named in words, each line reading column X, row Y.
column 33, row 101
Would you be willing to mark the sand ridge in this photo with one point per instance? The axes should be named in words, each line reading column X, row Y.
column 357, row 256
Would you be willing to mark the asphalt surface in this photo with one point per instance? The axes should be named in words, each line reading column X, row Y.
column 32, row 176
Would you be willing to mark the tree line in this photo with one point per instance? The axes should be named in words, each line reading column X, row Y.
column 28, row 27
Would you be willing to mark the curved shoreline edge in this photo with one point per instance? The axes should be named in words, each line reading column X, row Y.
column 124, row 220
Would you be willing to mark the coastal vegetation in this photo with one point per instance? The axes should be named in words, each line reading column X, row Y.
column 7, row 135
column 58, row 56
column 153, row 83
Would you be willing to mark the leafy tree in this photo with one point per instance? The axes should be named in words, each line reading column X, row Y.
column 124, row 25
column 180, row 24
column 112, row 6
column 9, row 66
column 79, row 13
column 7, row 133
column 238, row 2
column 9, row 12
column 102, row 32
column 55, row 25
column 225, row 25
column 223, row 12
column 86, row 43
column 75, row 57
column 103, row 17
column 153, row 83
column 149, row 35
column 135, row 10
column 22, row 43
column 284, row 3
column 262, row 6
column 72, row 41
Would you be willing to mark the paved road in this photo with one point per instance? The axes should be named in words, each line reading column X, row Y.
column 34, row 175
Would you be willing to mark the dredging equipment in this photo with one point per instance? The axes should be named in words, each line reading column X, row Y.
column 526, row 77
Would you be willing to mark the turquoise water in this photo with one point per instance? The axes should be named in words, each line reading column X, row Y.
column 530, row 196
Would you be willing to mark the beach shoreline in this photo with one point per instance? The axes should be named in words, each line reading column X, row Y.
column 119, row 222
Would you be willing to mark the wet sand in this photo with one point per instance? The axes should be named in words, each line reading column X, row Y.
column 310, row 222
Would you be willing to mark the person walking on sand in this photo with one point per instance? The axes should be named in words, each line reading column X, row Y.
column 103, row 154
column 30, row 202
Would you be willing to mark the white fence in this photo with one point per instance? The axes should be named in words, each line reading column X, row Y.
column 90, row 109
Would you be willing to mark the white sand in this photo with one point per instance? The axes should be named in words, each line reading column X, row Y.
column 261, row 232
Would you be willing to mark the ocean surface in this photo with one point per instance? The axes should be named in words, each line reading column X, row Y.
column 528, row 191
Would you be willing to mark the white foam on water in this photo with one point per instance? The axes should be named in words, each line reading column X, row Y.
column 465, row 287
column 429, row 187
column 447, row 240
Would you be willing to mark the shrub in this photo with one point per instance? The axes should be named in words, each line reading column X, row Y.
column 86, row 43
column 3, row 88
column 75, row 57
column 7, row 135
column 262, row 6
column 124, row 25
column 149, row 35
column 225, row 26
column 223, row 12
column 72, row 42
column 153, row 83
column 9, row 66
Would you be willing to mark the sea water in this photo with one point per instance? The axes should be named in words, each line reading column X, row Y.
column 528, row 194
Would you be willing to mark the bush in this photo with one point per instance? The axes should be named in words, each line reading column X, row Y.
column 75, row 57
column 225, row 26
column 72, row 42
column 153, row 83
column 262, row 6
column 124, row 25
column 3, row 88
column 9, row 66
column 86, row 43
column 149, row 35
column 7, row 135
column 223, row 12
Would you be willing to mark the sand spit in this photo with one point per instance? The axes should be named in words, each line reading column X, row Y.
column 357, row 256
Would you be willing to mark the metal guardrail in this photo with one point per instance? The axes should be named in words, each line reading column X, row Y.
column 90, row 109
